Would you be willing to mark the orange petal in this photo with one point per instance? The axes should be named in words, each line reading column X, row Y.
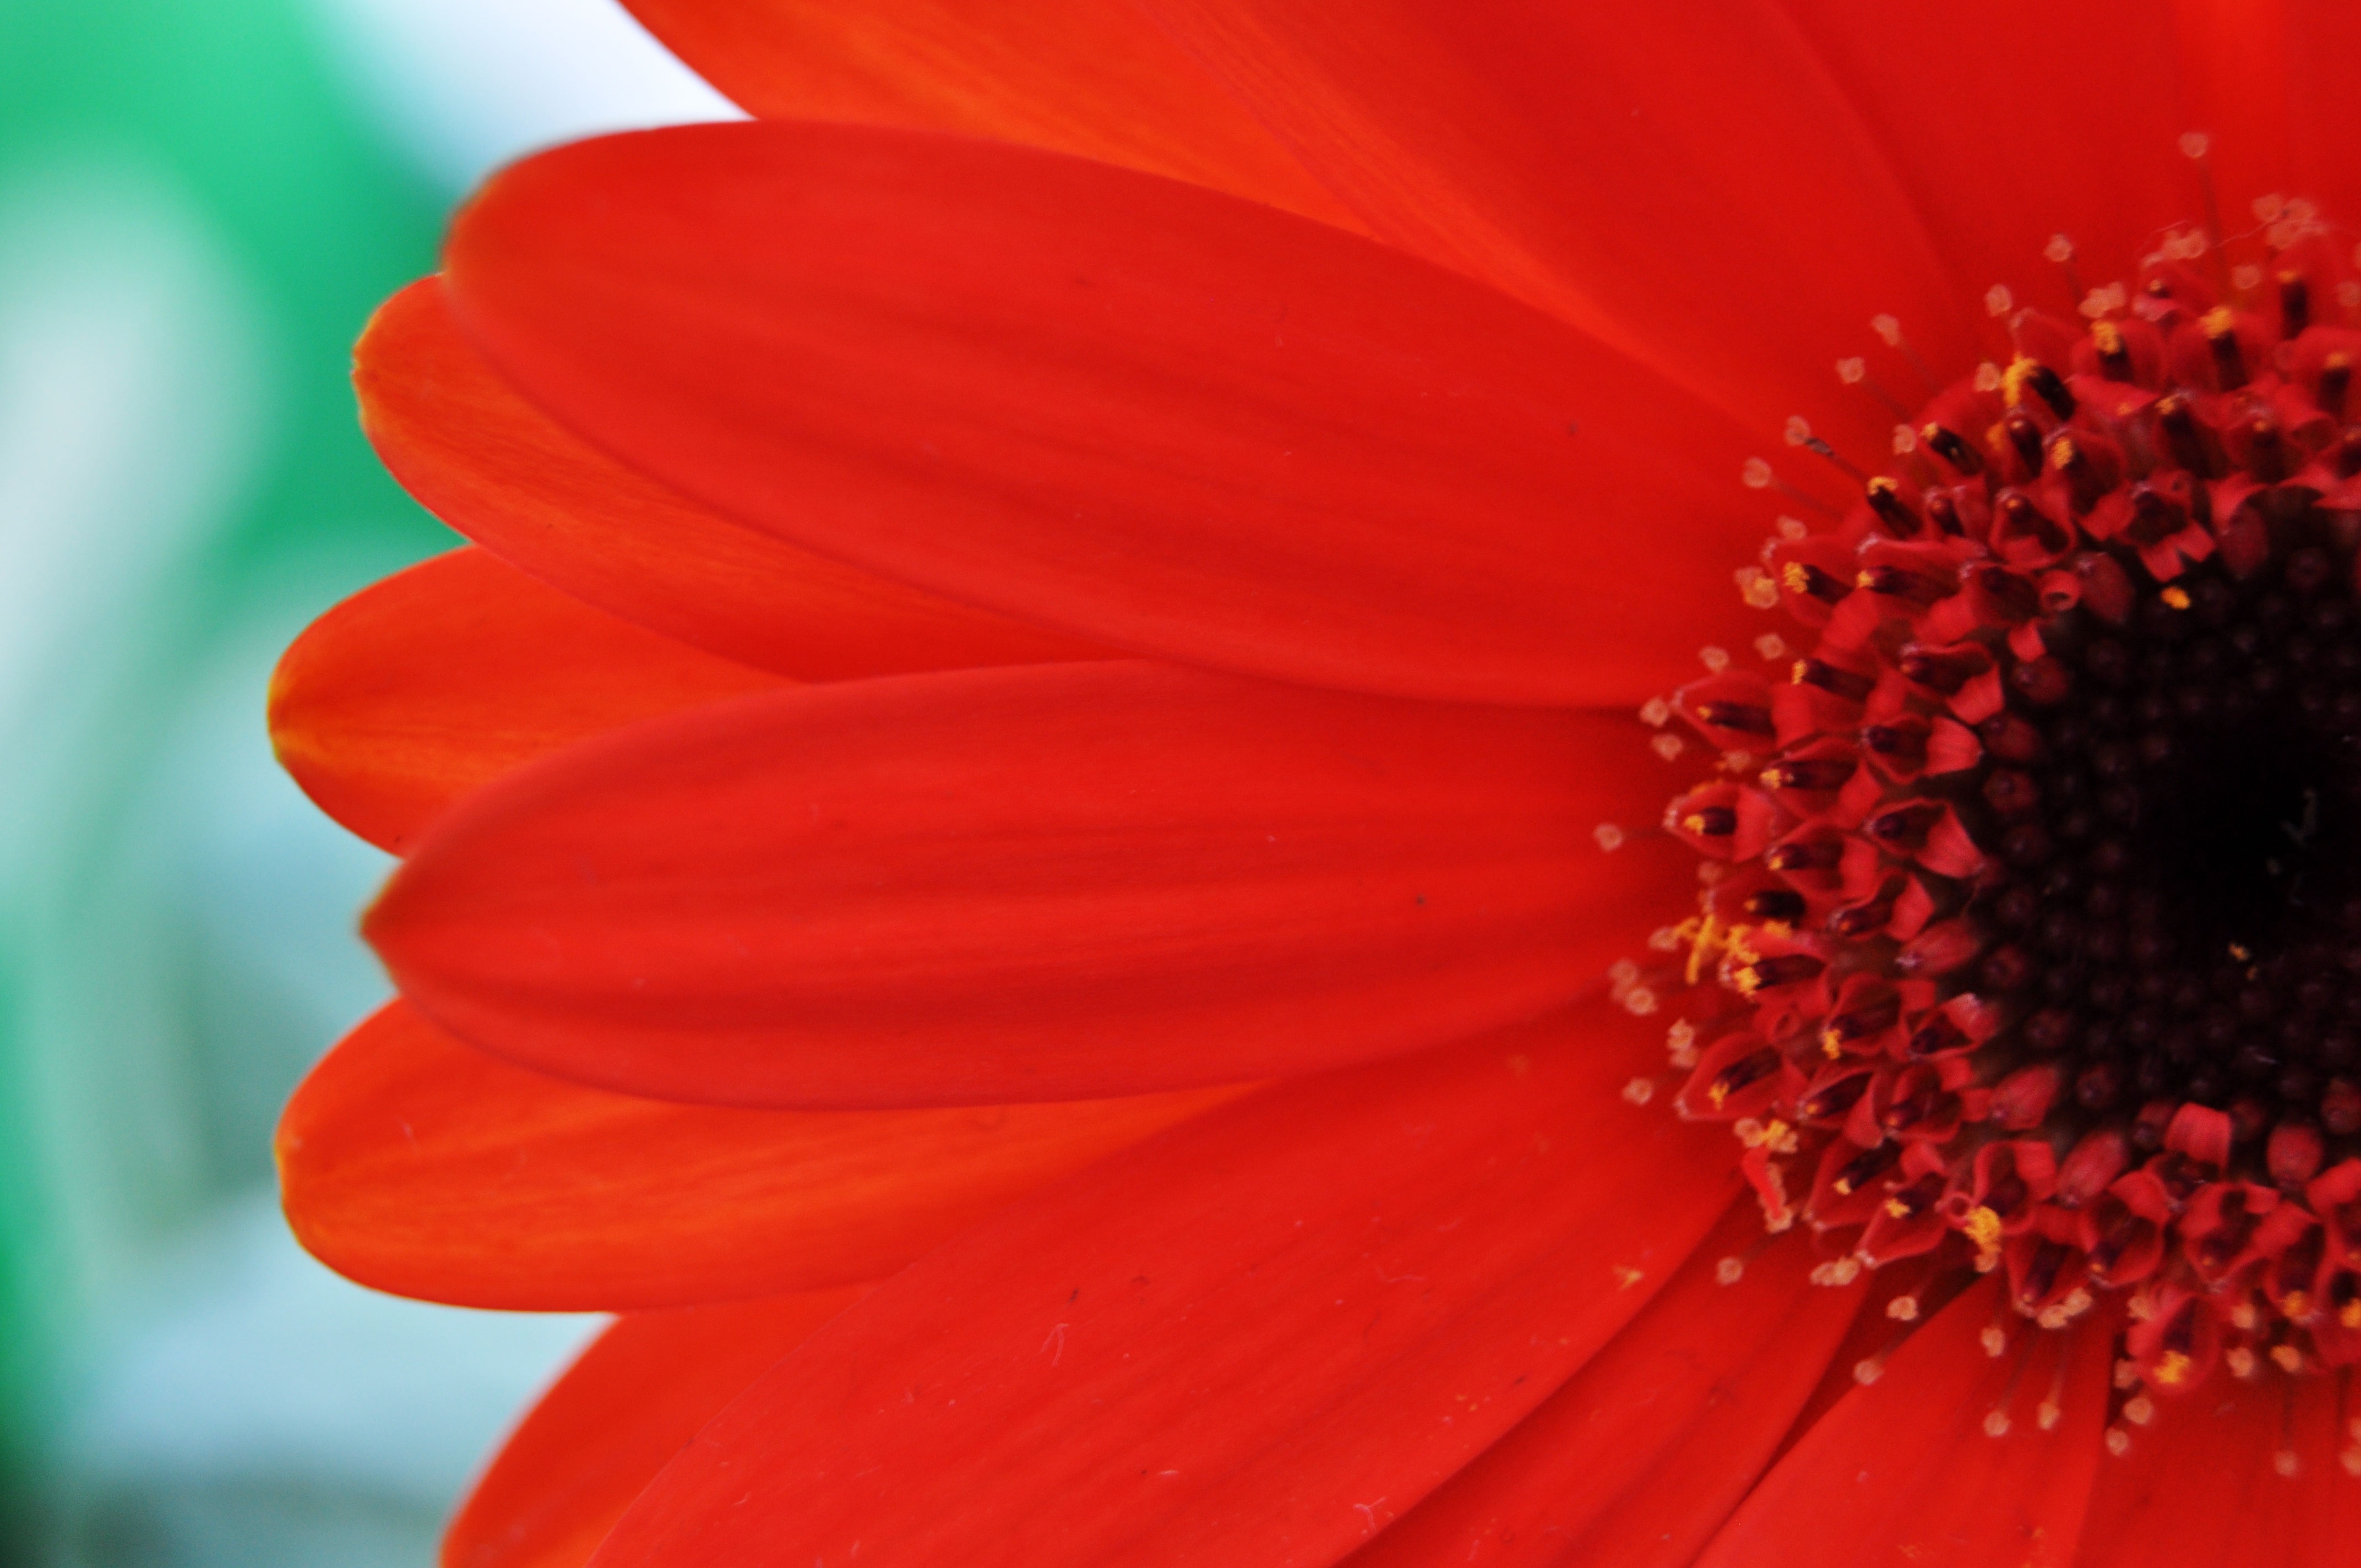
column 617, row 1417
column 2201, row 1485
column 1904, row 1471
column 439, row 679
column 491, row 465
column 416, row 1165
column 1694, row 188
column 1253, row 1340
column 1077, row 76
column 1060, row 882
column 1162, row 418
column 1641, row 1456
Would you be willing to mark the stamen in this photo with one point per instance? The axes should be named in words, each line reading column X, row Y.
column 2028, row 939
column 2061, row 250
column 2196, row 147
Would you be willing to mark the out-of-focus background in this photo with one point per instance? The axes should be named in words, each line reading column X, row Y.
column 200, row 203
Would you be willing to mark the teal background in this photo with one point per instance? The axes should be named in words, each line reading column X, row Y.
column 200, row 203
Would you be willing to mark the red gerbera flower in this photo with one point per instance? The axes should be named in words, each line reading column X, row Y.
column 1027, row 840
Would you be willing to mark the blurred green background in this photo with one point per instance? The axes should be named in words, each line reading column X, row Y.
column 200, row 203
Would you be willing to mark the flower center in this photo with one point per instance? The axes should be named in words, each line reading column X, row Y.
column 2031, row 935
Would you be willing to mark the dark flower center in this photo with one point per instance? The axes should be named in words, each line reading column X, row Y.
column 2182, row 847
column 2031, row 937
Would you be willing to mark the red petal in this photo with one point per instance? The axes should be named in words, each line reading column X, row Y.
column 1903, row 1471
column 441, row 678
column 2001, row 146
column 1644, row 1452
column 2322, row 39
column 1693, row 189
column 1045, row 884
column 2201, row 1485
column 1253, row 1340
column 2273, row 82
column 416, row 1165
column 1178, row 421
column 1077, row 76
column 617, row 1417
column 491, row 465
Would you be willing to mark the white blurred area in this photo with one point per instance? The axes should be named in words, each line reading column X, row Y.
column 466, row 85
column 176, row 922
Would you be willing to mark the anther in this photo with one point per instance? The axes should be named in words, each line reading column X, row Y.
column 1742, row 718
column 2051, row 389
column 1804, row 854
column 2220, row 327
column 2295, row 304
column 2178, row 423
column 1952, row 448
column 1886, row 501
column 2335, row 380
column 1834, row 679
column 2115, row 358
column 1808, row 581
column 1779, row 903
column 2025, row 436
column 1897, row 582
column 1807, row 773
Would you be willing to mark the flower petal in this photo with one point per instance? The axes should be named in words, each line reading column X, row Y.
column 1640, row 1457
column 2322, row 39
column 1251, row 1341
column 1173, row 420
column 417, row 1165
column 493, row 467
column 2273, row 82
column 2202, row 1486
column 1903, row 1469
column 439, row 679
column 2001, row 147
column 1698, row 192
column 1075, row 76
column 1043, row 884
column 615, row 1418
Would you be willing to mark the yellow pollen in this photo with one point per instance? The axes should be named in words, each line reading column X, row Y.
column 1983, row 1228
column 2062, row 451
column 2298, row 1305
column 1773, row 778
column 2340, row 360
column 2218, row 320
column 1716, row 1093
column 1695, row 822
column 2108, row 336
column 1626, row 1276
column 2286, row 1358
column 1701, row 947
column 2349, row 1314
column 2013, row 379
column 1831, row 1044
column 1894, row 1207
column 1860, row 580
column 2173, row 1370
column 2239, row 953
column 1794, row 578
column 2177, row 596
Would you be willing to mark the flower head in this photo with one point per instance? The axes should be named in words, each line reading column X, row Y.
column 1027, row 840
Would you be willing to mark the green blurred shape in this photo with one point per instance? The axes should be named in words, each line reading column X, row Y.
column 227, row 105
